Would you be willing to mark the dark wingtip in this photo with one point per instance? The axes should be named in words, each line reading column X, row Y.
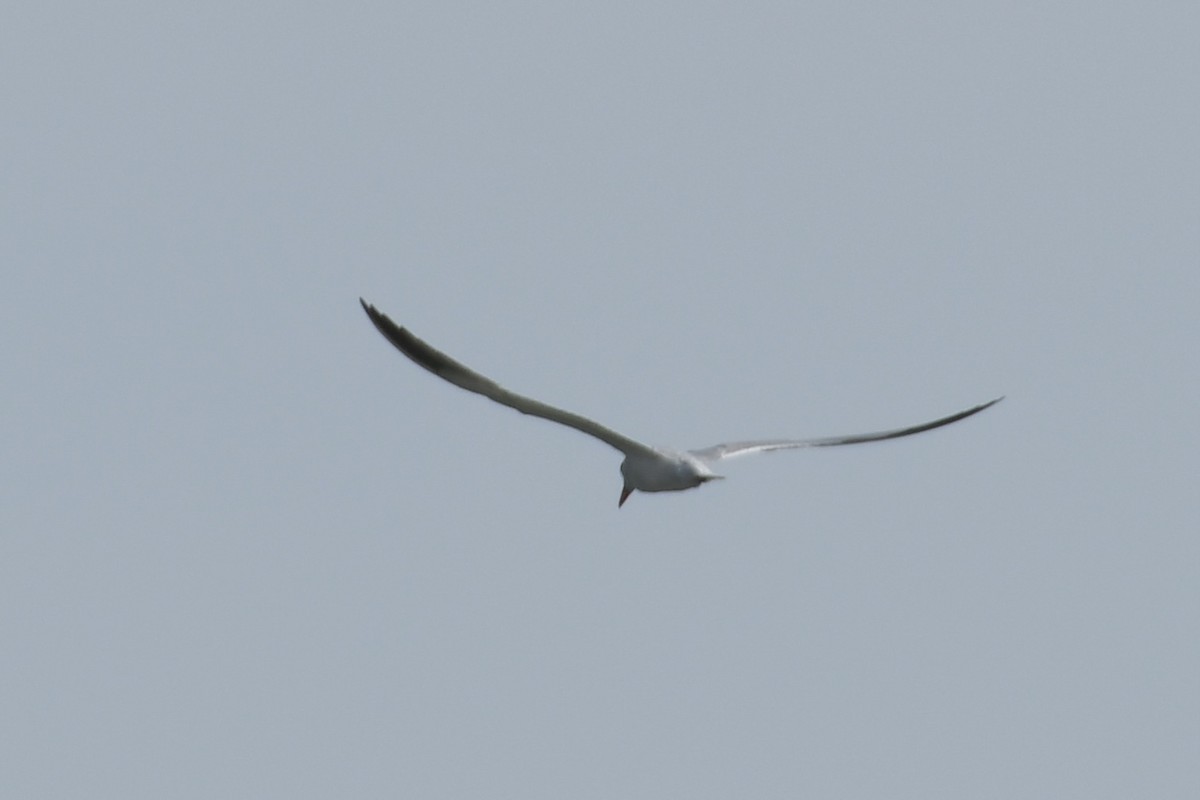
column 991, row 403
column 390, row 330
column 403, row 340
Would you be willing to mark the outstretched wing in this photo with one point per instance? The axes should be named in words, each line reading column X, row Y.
column 730, row 449
column 464, row 377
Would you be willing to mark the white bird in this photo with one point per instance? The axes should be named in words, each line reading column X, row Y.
column 645, row 468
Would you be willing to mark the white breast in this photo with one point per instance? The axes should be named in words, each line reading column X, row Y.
column 665, row 471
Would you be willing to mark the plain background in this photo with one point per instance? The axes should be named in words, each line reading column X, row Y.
column 248, row 550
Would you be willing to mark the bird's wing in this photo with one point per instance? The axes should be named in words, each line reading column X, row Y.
column 464, row 377
column 730, row 449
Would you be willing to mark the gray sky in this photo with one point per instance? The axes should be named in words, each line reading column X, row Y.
column 250, row 551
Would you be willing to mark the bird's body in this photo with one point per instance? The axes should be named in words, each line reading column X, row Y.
column 645, row 468
column 664, row 470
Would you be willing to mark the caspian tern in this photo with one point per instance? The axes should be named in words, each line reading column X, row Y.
column 645, row 468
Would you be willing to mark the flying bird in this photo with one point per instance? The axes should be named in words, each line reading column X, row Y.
column 645, row 468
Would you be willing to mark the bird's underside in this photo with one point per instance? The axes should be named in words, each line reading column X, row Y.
column 645, row 468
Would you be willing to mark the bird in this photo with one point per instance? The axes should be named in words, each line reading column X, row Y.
column 644, row 468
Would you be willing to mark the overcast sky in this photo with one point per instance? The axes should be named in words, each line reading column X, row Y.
column 249, row 550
